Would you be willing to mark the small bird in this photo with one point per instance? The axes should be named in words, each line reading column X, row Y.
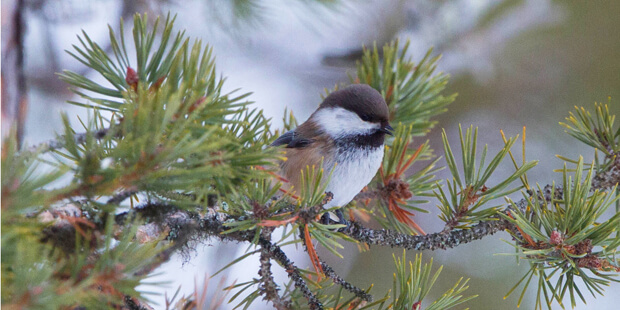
column 346, row 133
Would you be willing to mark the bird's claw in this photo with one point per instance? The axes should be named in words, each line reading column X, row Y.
column 327, row 220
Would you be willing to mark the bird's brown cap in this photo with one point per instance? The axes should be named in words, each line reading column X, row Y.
column 360, row 99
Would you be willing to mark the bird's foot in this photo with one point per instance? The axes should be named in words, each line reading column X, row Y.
column 328, row 219
column 341, row 219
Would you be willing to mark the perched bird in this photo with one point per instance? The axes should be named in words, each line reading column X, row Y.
column 346, row 132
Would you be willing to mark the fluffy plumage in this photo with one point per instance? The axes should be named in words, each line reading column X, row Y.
column 347, row 132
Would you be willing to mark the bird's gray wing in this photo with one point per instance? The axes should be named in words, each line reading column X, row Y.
column 292, row 139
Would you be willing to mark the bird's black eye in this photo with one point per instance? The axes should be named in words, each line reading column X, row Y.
column 365, row 117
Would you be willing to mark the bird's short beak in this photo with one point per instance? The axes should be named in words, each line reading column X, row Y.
column 386, row 128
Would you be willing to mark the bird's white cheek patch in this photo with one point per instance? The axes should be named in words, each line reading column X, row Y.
column 339, row 122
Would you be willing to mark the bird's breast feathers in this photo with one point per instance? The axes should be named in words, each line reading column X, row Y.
column 355, row 168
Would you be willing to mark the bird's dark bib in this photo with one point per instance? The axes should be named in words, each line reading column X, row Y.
column 373, row 140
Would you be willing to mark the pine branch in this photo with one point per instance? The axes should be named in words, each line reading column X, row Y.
column 455, row 237
column 185, row 226
column 441, row 240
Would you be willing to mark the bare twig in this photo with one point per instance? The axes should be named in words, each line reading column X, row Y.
column 134, row 304
column 14, row 87
column 441, row 240
column 330, row 273
column 293, row 272
column 268, row 286
column 337, row 279
column 79, row 138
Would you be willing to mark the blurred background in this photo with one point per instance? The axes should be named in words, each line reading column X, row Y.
column 513, row 64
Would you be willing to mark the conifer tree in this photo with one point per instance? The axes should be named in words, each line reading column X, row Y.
column 88, row 216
